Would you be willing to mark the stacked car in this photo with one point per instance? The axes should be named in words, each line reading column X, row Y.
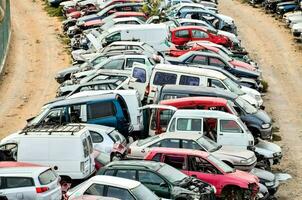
column 289, row 11
column 165, row 106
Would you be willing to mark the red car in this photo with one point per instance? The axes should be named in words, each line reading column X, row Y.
column 204, row 103
column 98, row 22
column 182, row 35
column 230, row 183
column 175, row 52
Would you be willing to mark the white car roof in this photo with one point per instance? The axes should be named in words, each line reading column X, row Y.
column 115, row 181
column 121, row 27
column 105, row 129
column 127, row 43
column 180, row 135
column 190, row 70
column 33, row 171
column 125, row 19
column 204, row 113
column 100, row 92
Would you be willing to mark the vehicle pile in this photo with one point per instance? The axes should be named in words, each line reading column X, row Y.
column 289, row 11
column 163, row 106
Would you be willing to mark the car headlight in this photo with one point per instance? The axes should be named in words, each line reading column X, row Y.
column 246, row 161
column 269, row 184
column 265, row 125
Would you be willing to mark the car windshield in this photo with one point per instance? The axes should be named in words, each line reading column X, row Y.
column 141, row 192
column 247, row 107
column 147, row 140
column 173, row 175
column 208, row 144
column 233, row 87
column 42, row 113
column 224, row 167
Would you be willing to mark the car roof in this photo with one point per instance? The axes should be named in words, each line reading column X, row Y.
column 93, row 197
column 115, row 181
column 190, row 70
column 138, row 164
column 21, row 169
column 129, row 13
column 189, row 27
column 186, row 101
column 122, row 27
column 106, row 129
column 174, row 151
column 122, row 93
column 81, row 100
column 180, row 135
column 98, row 82
column 127, row 43
column 188, row 89
column 203, row 113
column 123, row 19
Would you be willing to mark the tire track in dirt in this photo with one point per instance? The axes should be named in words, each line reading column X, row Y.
column 35, row 56
column 272, row 46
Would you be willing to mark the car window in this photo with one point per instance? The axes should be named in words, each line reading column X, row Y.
column 216, row 62
column 139, row 74
column 188, row 80
column 230, row 126
column 199, row 59
column 119, row 193
column 128, row 174
column 172, row 126
column 130, row 61
column 201, row 165
column 182, row 34
column 199, row 34
column 109, row 172
column 47, row 177
column 162, row 78
column 114, row 37
column 169, row 143
column 157, row 157
column 216, row 83
column 176, row 161
column 85, row 148
column 96, row 137
column 100, row 110
column 95, row 189
column 165, row 116
column 16, row 182
column 151, row 178
column 55, row 116
column 187, row 124
column 116, row 136
column 190, row 144
column 114, row 64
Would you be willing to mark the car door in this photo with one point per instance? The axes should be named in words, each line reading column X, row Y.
column 203, row 170
column 155, row 183
column 18, row 188
column 180, row 37
column 200, row 35
column 139, row 79
column 102, row 113
column 229, row 131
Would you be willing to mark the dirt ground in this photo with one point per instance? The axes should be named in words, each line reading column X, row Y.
column 271, row 44
column 35, row 56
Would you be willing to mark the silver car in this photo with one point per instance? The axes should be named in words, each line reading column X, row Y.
column 240, row 159
column 29, row 181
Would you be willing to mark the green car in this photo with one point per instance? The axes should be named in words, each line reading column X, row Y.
column 165, row 181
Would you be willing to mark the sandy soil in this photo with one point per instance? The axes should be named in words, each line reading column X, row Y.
column 271, row 44
column 35, row 56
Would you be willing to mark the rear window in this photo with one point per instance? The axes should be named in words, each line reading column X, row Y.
column 162, row 78
column 17, row 182
column 116, row 136
column 86, row 148
column 47, row 177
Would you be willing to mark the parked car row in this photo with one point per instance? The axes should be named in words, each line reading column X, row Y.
column 153, row 107
column 289, row 11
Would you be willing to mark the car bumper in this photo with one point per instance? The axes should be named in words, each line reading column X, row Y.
column 266, row 134
column 60, row 79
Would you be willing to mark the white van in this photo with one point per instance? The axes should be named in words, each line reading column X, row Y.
column 156, row 35
column 163, row 74
column 132, row 99
column 66, row 149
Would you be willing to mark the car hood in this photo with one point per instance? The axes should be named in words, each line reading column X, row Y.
column 68, row 70
column 244, row 176
column 88, row 17
column 267, row 149
column 297, row 26
column 247, row 80
column 229, row 151
column 263, row 174
column 263, row 116
column 244, row 65
column 227, row 19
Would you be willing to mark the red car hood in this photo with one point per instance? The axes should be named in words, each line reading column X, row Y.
column 93, row 22
column 241, row 64
column 75, row 14
column 244, row 175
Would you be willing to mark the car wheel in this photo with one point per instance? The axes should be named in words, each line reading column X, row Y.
column 232, row 193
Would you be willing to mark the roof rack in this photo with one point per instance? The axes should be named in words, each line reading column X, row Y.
column 68, row 128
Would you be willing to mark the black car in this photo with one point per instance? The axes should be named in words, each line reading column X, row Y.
column 165, row 181
column 257, row 121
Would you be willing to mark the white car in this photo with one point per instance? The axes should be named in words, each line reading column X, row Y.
column 110, row 186
column 297, row 29
column 29, row 181
column 240, row 159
